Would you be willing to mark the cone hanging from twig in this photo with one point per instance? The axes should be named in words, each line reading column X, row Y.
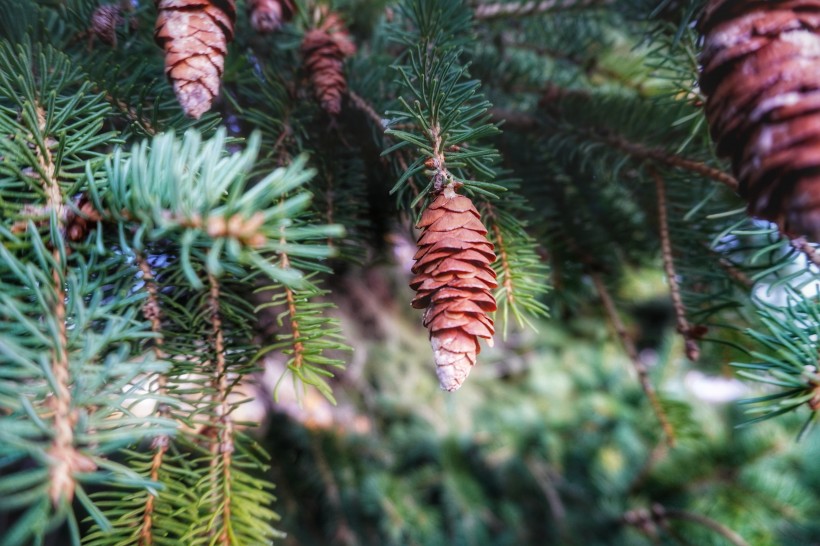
column 454, row 284
column 269, row 15
column 195, row 36
column 324, row 49
column 761, row 75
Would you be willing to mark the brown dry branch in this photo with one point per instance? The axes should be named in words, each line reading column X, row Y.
column 222, row 444
column 683, row 326
column 647, row 520
column 521, row 9
column 632, row 353
column 152, row 311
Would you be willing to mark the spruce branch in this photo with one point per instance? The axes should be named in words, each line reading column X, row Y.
column 634, row 357
column 531, row 7
column 683, row 326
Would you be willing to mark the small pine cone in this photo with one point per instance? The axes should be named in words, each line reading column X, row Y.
column 324, row 50
column 761, row 75
column 104, row 22
column 195, row 36
column 269, row 15
column 454, row 283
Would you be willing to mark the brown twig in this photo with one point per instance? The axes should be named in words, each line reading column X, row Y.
column 544, row 481
column 152, row 311
column 646, row 520
column 811, row 253
column 683, row 327
column 296, row 336
column 520, row 9
column 222, row 447
column 632, row 353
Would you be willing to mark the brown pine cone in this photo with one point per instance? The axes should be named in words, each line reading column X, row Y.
column 324, row 50
column 195, row 36
column 761, row 75
column 104, row 22
column 454, row 282
column 269, row 15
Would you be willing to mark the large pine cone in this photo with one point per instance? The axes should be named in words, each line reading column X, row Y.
column 324, row 50
column 195, row 36
column 761, row 76
column 454, row 282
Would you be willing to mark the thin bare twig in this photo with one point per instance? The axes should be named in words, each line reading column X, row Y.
column 644, row 519
column 520, row 9
column 222, row 447
column 151, row 310
column 544, row 481
column 811, row 253
column 683, row 327
column 632, row 353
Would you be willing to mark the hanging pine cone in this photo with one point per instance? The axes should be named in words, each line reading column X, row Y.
column 454, row 283
column 761, row 76
column 269, row 15
column 104, row 22
column 195, row 36
column 324, row 50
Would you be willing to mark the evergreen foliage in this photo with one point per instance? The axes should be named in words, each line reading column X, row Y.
column 154, row 269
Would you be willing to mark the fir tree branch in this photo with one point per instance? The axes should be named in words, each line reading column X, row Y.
column 222, row 443
column 298, row 346
column 632, row 353
column 531, row 7
column 683, row 326
column 67, row 460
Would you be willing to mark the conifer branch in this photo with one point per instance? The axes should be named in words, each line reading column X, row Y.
column 66, row 459
column 222, row 444
column 298, row 346
column 683, row 326
column 632, row 353
column 531, row 7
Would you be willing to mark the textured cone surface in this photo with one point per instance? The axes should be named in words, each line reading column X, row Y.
column 761, row 75
column 324, row 50
column 269, row 15
column 454, row 282
column 195, row 36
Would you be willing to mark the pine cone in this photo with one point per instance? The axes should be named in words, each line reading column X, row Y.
column 454, row 282
column 269, row 15
column 195, row 36
column 761, row 74
column 104, row 22
column 324, row 50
